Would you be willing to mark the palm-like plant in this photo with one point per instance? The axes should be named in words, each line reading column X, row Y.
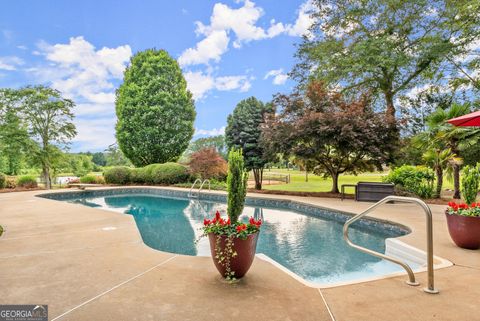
column 443, row 135
column 439, row 160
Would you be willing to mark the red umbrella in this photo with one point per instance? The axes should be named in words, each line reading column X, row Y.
column 472, row 119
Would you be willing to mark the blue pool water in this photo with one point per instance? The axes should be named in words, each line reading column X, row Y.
column 311, row 247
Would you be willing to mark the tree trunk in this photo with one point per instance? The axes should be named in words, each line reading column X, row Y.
column 258, row 175
column 390, row 111
column 456, row 181
column 335, row 183
column 438, row 193
column 306, row 175
column 46, row 177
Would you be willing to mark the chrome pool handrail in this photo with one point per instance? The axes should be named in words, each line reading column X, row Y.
column 430, row 288
column 190, row 193
column 193, row 186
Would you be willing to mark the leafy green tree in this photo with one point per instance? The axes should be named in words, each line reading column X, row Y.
column 49, row 117
column 14, row 140
column 244, row 132
column 385, row 46
column 154, row 108
column 99, row 159
column 217, row 142
column 115, row 157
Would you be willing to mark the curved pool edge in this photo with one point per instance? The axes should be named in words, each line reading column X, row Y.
column 220, row 196
column 439, row 263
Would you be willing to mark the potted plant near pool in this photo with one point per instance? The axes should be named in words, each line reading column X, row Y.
column 464, row 219
column 232, row 242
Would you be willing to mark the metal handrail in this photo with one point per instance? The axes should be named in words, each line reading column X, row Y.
column 203, row 183
column 190, row 193
column 193, row 185
column 430, row 288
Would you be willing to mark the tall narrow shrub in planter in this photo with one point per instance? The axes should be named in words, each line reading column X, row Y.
column 464, row 219
column 232, row 242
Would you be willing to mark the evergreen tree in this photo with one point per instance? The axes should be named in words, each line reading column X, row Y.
column 155, row 110
column 244, row 132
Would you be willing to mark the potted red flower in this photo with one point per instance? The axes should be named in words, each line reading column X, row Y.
column 464, row 224
column 464, row 220
column 233, row 243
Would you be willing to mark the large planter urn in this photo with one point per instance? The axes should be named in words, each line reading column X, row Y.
column 240, row 263
column 464, row 230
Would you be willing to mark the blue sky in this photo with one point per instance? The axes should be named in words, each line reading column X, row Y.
column 228, row 51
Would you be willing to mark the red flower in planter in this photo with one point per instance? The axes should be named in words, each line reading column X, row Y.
column 206, row 222
column 254, row 222
column 217, row 216
column 241, row 228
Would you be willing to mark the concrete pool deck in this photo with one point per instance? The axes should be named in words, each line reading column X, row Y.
column 91, row 264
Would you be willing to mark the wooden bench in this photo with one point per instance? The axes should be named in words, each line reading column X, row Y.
column 84, row 186
column 373, row 191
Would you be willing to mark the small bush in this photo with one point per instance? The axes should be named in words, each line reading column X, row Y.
column 117, row 175
column 92, row 179
column 138, row 175
column 470, row 183
column 415, row 180
column 207, row 163
column 165, row 174
column 27, row 181
column 3, row 181
column 11, row 182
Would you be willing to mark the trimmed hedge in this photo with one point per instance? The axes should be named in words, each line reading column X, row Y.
column 117, row 175
column 3, row 181
column 166, row 174
column 154, row 174
column 92, row 179
column 27, row 181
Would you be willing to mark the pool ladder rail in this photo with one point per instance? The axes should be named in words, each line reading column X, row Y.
column 196, row 193
column 429, row 226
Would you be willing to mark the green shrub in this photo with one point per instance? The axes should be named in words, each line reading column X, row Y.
column 236, row 184
column 138, row 175
column 470, row 183
column 27, row 181
column 165, row 174
column 118, row 175
column 415, row 180
column 3, row 181
column 92, row 179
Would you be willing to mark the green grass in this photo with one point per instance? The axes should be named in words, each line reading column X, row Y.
column 318, row 183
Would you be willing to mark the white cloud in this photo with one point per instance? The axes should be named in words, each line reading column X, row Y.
column 80, row 71
column 279, row 78
column 304, row 20
column 200, row 83
column 95, row 134
column 240, row 24
column 10, row 62
column 89, row 77
column 22, row 47
column 210, row 132
column 210, row 48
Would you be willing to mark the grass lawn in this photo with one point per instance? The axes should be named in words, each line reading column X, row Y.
column 317, row 183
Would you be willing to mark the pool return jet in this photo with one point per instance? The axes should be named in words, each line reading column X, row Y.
column 428, row 215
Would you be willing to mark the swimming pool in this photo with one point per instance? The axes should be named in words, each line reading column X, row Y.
column 304, row 239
